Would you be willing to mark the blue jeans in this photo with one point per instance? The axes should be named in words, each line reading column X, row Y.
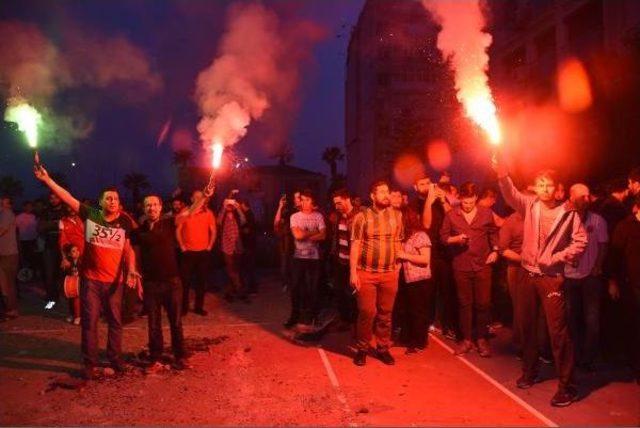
column 94, row 297
column 583, row 315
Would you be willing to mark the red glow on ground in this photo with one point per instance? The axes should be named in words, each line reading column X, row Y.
column 574, row 88
column 439, row 155
column 406, row 168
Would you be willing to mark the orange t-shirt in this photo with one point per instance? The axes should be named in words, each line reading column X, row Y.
column 195, row 229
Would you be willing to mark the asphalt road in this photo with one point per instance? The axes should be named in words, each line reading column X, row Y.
column 247, row 371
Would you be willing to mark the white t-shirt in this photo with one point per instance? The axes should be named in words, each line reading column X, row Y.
column 596, row 228
column 311, row 222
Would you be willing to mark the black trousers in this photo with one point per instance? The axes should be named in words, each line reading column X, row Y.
column 444, row 305
column 545, row 293
column 52, row 273
column 417, row 298
column 167, row 295
column 304, row 290
column 194, row 267
column 345, row 299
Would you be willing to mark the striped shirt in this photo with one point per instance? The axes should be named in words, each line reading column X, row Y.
column 342, row 237
column 380, row 232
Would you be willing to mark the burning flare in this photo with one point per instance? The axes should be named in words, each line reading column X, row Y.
column 216, row 159
column 463, row 40
column 27, row 118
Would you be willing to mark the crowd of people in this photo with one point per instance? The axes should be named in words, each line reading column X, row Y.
column 389, row 272
column 401, row 267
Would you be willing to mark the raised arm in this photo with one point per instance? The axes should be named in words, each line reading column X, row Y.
column 66, row 197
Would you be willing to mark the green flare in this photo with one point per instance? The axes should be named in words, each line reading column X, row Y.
column 28, row 120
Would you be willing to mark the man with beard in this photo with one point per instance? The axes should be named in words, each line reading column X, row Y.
column 154, row 243
column 375, row 241
column 583, row 284
column 107, row 255
column 554, row 236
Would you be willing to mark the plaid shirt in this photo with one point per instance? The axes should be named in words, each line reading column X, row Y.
column 412, row 271
column 380, row 232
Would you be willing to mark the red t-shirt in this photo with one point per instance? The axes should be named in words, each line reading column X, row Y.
column 104, row 245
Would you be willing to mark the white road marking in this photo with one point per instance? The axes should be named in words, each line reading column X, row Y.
column 334, row 382
column 548, row 422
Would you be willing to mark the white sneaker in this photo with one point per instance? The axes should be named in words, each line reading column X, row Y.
column 76, row 321
column 50, row 304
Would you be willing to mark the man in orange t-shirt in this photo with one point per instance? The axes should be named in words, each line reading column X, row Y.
column 196, row 234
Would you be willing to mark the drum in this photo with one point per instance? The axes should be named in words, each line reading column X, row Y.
column 71, row 286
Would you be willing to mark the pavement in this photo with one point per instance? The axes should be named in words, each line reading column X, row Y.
column 246, row 370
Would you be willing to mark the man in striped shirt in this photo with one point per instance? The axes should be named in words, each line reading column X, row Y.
column 340, row 247
column 375, row 241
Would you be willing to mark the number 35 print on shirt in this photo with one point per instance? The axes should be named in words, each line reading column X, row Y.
column 104, row 245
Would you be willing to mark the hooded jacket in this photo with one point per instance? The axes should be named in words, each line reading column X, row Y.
column 567, row 238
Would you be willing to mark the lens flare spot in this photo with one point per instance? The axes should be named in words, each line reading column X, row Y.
column 574, row 88
column 406, row 168
column 439, row 155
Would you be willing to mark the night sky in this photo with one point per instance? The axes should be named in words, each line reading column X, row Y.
column 179, row 38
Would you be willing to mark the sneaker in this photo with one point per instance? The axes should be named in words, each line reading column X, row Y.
column 50, row 304
column 155, row 367
column 180, row 364
column 201, row 312
column 386, row 357
column 564, row 397
column 449, row 334
column 90, row 373
column 484, row 350
column 290, row 323
column 118, row 366
column 525, row 382
column 464, row 347
column 545, row 360
column 360, row 359
column 77, row 321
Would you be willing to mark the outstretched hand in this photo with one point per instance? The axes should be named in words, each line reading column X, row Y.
column 498, row 164
column 40, row 173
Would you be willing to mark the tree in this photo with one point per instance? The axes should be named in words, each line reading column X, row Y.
column 331, row 156
column 135, row 182
column 284, row 154
column 10, row 187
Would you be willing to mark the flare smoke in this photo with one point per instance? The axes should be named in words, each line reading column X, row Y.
column 463, row 40
column 257, row 69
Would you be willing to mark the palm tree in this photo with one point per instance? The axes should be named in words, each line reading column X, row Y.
column 284, row 154
column 331, row 156
column 135, row 182
column 10, row 187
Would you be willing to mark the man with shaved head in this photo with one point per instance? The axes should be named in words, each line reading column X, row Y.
column 584, row 284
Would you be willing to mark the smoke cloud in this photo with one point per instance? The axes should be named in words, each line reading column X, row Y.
column 463, row 40
column 257, row 71
column 35, row 69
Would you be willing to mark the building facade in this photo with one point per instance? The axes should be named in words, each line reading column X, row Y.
column 532, row 39
column 399, row 91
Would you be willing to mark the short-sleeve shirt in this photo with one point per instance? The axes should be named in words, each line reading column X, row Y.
column 597, row 234
column 27, row 224
column 195, row 229
column 104, row 245
column 412, row 271
column 309, row 222
column 8, row 240
column 157, row 250
column 380, row 231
